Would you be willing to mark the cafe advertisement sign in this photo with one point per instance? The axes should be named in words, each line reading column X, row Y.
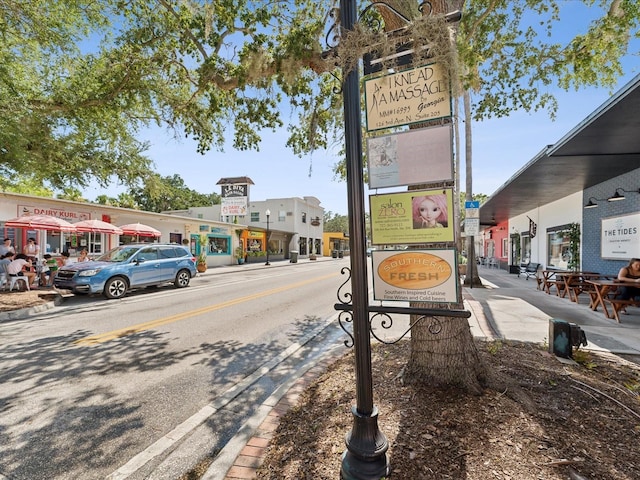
column 620, row 237
column 418, row 156
column 406, row 97
column 415, row 275
column 416, row 216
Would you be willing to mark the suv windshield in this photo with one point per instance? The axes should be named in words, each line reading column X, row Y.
column 118, row 254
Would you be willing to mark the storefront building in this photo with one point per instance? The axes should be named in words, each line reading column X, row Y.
column 281, row 225
column 586, row 186
column 335, row 244
column 221, row 238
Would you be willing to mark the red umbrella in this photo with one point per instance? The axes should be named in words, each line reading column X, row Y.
column 139, row 230
column 97, row 226
column 41, row 222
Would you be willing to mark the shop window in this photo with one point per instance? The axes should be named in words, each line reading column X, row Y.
column 218, row 246
column 558, row 247
column 525, row 249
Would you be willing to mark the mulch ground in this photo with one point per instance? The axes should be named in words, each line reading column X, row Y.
column 539, row 419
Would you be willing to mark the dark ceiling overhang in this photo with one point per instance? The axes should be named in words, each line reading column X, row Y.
column 604, row 145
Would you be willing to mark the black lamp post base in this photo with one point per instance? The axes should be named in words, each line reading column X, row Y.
column 365, row 458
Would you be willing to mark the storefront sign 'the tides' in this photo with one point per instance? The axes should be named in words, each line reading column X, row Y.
column 406, row 97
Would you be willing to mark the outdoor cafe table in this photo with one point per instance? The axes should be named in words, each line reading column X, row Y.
column 600, row 296
column 548, row 279
column 575, row 283
column 560, row 279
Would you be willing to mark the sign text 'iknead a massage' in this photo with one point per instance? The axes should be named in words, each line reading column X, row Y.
column 415, row 275
column 417, row 216
column 418, row 156
column 406, row 97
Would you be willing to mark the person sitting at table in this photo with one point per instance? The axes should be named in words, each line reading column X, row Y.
column 84, row 256
column 52, row 265
column 64, row 259
column 17, row 268
column 630, row 273
column 6, row 259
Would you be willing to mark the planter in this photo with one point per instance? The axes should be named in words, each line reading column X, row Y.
column 201, row 267
column 462, row 269
column 240, row 261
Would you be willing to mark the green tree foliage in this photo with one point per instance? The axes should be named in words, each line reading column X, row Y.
column 480, row 197
column 513, row 54
column 78, row 80
column 169, row 193
column 334, row 222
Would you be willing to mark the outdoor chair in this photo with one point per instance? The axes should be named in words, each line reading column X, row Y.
column 529, row 271
column 15, row 280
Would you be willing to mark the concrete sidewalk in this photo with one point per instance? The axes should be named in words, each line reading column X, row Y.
column 517, row 310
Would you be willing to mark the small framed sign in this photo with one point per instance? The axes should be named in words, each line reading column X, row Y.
column 415, row 275
column 416, row 216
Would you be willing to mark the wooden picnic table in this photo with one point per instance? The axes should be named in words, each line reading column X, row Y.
column 576, row 283
column 557, row 279
column 602, row 295
column 546, row 280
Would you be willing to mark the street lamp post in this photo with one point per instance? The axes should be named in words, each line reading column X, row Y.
column 268, row 214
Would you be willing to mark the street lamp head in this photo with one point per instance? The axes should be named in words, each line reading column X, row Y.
column 267, row 213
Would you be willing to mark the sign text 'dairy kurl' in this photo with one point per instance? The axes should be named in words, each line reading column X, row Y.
column 410, row 96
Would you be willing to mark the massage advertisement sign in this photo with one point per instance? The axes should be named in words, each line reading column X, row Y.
column 406, row 97
column 620, row 237
column 410, row 158
column 415, row 275
column 417, row 216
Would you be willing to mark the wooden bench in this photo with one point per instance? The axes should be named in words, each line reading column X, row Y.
column 618, row 305
column 580, row 285
column 530, row 270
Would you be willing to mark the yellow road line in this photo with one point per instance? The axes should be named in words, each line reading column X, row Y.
column 107, row 336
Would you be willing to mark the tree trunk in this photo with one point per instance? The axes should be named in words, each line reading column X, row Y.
column 442, row 350
column 444, row 353
column 472, row 278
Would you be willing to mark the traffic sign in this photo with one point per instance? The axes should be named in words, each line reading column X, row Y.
column 472, row 227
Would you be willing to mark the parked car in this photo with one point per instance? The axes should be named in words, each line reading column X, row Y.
column 127, row 267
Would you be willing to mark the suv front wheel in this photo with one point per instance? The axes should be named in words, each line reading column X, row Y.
column 182, row 279
column 115, row 287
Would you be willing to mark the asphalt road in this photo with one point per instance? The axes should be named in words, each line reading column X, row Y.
column 147, row 386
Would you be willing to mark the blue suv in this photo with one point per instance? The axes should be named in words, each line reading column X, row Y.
column 129, row 266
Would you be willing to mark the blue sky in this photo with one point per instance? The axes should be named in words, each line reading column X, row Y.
column 500, row 148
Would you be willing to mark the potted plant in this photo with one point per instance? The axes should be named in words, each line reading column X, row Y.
column 201, row 263
column 239, row 255
column 462, row 265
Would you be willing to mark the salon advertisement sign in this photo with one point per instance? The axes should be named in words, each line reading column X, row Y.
column 417, row 216
column 620, row 237
column 415, row 275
